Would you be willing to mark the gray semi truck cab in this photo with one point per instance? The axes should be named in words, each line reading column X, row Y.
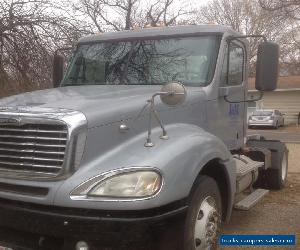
column 144, row 134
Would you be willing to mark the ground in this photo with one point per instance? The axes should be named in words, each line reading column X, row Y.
column 289, row 134
column 278, row 213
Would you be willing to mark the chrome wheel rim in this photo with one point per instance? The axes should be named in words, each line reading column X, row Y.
column 283, row 167
column 206, row 224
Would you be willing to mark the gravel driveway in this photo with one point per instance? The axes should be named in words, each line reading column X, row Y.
column 278, row 213
column 289, row 134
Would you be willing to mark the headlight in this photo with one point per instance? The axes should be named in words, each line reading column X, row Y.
column 133, row 184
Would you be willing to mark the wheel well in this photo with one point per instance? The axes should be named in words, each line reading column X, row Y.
column 216, row 170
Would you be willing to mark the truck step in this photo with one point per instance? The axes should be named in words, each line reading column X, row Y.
column 245, row 165
column 251, row 200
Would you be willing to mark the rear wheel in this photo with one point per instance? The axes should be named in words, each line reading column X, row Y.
column 276, row 177
column 203, row 219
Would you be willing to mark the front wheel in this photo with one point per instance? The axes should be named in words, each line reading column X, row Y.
column 203, row 219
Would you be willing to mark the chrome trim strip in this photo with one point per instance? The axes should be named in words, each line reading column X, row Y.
column 34, row 130
column 31, row 151
column 30, row 158
column 22, row 174
column 33, row 144
column 33, row 137
column 29, row 165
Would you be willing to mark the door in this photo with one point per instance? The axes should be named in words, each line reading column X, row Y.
column 232, row 94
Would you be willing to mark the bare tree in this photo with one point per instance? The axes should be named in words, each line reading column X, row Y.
column 161, row 12
column 119, row 15
column 245, row 16
column 107, row 15
column 287, row 8
column 30, row 30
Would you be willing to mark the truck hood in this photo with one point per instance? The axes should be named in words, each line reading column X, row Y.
column 100, row 104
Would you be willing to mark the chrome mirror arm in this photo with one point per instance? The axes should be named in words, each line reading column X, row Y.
column 152, row 109
column 151, row 101
column 171, row 94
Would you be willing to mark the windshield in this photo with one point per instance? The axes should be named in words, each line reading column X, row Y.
column 263, row 113
column 145, row 62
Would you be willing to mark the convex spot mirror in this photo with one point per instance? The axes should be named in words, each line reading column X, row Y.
column 267, row 66
column 173, row 94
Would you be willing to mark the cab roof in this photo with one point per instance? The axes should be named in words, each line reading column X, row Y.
column 155, row 32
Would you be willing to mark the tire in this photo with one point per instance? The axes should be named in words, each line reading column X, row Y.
column 204, row 215
column 276, row 177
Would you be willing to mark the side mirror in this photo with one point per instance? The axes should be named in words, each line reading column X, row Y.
column 58, row 70
column 267, row 66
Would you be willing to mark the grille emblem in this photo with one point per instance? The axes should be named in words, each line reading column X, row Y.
column 10, row 121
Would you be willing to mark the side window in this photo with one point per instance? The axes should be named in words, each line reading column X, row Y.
column 236, row 66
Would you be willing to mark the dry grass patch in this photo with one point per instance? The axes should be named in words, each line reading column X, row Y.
column 294, row 158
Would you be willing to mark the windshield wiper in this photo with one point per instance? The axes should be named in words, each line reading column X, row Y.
column 71, row 84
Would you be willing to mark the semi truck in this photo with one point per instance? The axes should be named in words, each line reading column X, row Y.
column 142, row 140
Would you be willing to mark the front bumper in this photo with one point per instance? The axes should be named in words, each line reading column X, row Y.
column 30, row 226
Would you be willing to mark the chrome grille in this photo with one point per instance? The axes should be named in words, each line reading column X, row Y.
column 35, row 148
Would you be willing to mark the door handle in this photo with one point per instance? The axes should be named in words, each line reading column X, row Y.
column 225, row 91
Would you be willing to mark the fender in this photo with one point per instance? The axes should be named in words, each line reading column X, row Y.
column 179, row 159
